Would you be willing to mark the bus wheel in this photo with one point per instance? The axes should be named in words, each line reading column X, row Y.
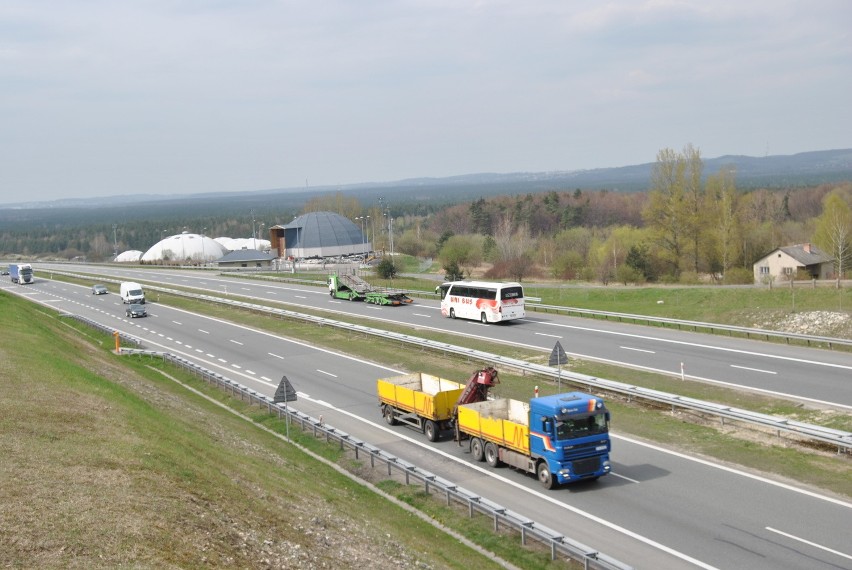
column 388, row 413
column 492, row 458
column 452, row 313
column 483, row 319
column 545, row 477
column 476, row 449
column 431, row 430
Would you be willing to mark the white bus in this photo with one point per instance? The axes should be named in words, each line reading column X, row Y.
column 487, row 302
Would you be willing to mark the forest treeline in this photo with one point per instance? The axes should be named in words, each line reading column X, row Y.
column 688, row 226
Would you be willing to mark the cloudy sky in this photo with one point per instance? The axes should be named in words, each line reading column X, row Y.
column 104, row 98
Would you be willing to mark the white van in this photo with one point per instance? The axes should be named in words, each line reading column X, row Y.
column 132, row 292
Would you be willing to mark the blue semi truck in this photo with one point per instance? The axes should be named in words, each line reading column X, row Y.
column 559, row 439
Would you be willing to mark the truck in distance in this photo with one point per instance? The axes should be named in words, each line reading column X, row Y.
column 560, row 439
column 21, row 273
column 353, row 288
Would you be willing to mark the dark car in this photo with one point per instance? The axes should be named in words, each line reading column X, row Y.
column 99, row 289
column 136, row 310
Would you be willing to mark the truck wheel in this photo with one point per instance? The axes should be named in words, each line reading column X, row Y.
column 483, row 319
column 492, row 458
column 452, row 313
column 387, row 411
column 545, row 477
column 431, row 430
column 476, row 449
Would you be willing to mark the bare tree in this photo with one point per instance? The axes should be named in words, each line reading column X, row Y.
column 834, row 232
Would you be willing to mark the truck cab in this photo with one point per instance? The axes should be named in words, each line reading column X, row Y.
column 571, row 433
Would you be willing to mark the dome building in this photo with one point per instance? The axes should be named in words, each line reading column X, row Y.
column 129, row 256
column 185, row 247
column 319, row 234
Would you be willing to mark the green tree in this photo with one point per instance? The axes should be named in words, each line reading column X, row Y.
column 670, row 212
column 386, row 269
column 463, row 250
column 834, row 232
column 453, row 271
column 723, row 211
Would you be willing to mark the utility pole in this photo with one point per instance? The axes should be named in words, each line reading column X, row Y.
column 114, row 243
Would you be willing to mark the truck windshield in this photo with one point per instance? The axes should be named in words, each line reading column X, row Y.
column 579, row 427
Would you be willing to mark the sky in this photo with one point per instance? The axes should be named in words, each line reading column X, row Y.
column 105, row 98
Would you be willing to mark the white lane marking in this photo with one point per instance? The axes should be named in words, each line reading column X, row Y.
column 638, row 349
column 252, row 372
column 613, row 474
column 199, row 351
column 211, row 355
column 237, row 366
column 699, row 345
column 177, row 323
column 326, row 373
column 808, row 542
column 203, row 331
column 236, row 342
column 710, row 380
column 300, row 296
column 266, row 379
column 734, row 471
column 188, row 346
column 550, row 335
column 222, row 360
column 275, row 355
column 421, row 315
column 753, row 369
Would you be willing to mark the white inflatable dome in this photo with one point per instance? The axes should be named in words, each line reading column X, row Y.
column 236, row 244
column 129, row 256
column 185, row 247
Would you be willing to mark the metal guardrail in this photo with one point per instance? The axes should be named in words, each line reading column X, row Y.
column 103, row 328
column 696, row 325
column 559, row 544
column 840, row 439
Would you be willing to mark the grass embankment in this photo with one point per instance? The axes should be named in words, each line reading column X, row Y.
column 106, row 462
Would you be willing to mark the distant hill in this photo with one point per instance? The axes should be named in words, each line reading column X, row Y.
column 781, row 171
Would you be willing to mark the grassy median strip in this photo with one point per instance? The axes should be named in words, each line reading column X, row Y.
column 108, row 464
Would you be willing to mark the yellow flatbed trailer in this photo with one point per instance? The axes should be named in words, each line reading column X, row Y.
column 420, row 400
column 502, row 421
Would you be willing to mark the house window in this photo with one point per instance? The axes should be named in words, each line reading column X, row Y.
column 763, row 270
column 788, row 271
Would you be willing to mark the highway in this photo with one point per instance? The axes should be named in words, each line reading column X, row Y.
column 658, row 509
column 818, row 376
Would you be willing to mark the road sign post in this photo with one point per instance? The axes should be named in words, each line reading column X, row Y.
column 558, row 358
column 285, row 393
